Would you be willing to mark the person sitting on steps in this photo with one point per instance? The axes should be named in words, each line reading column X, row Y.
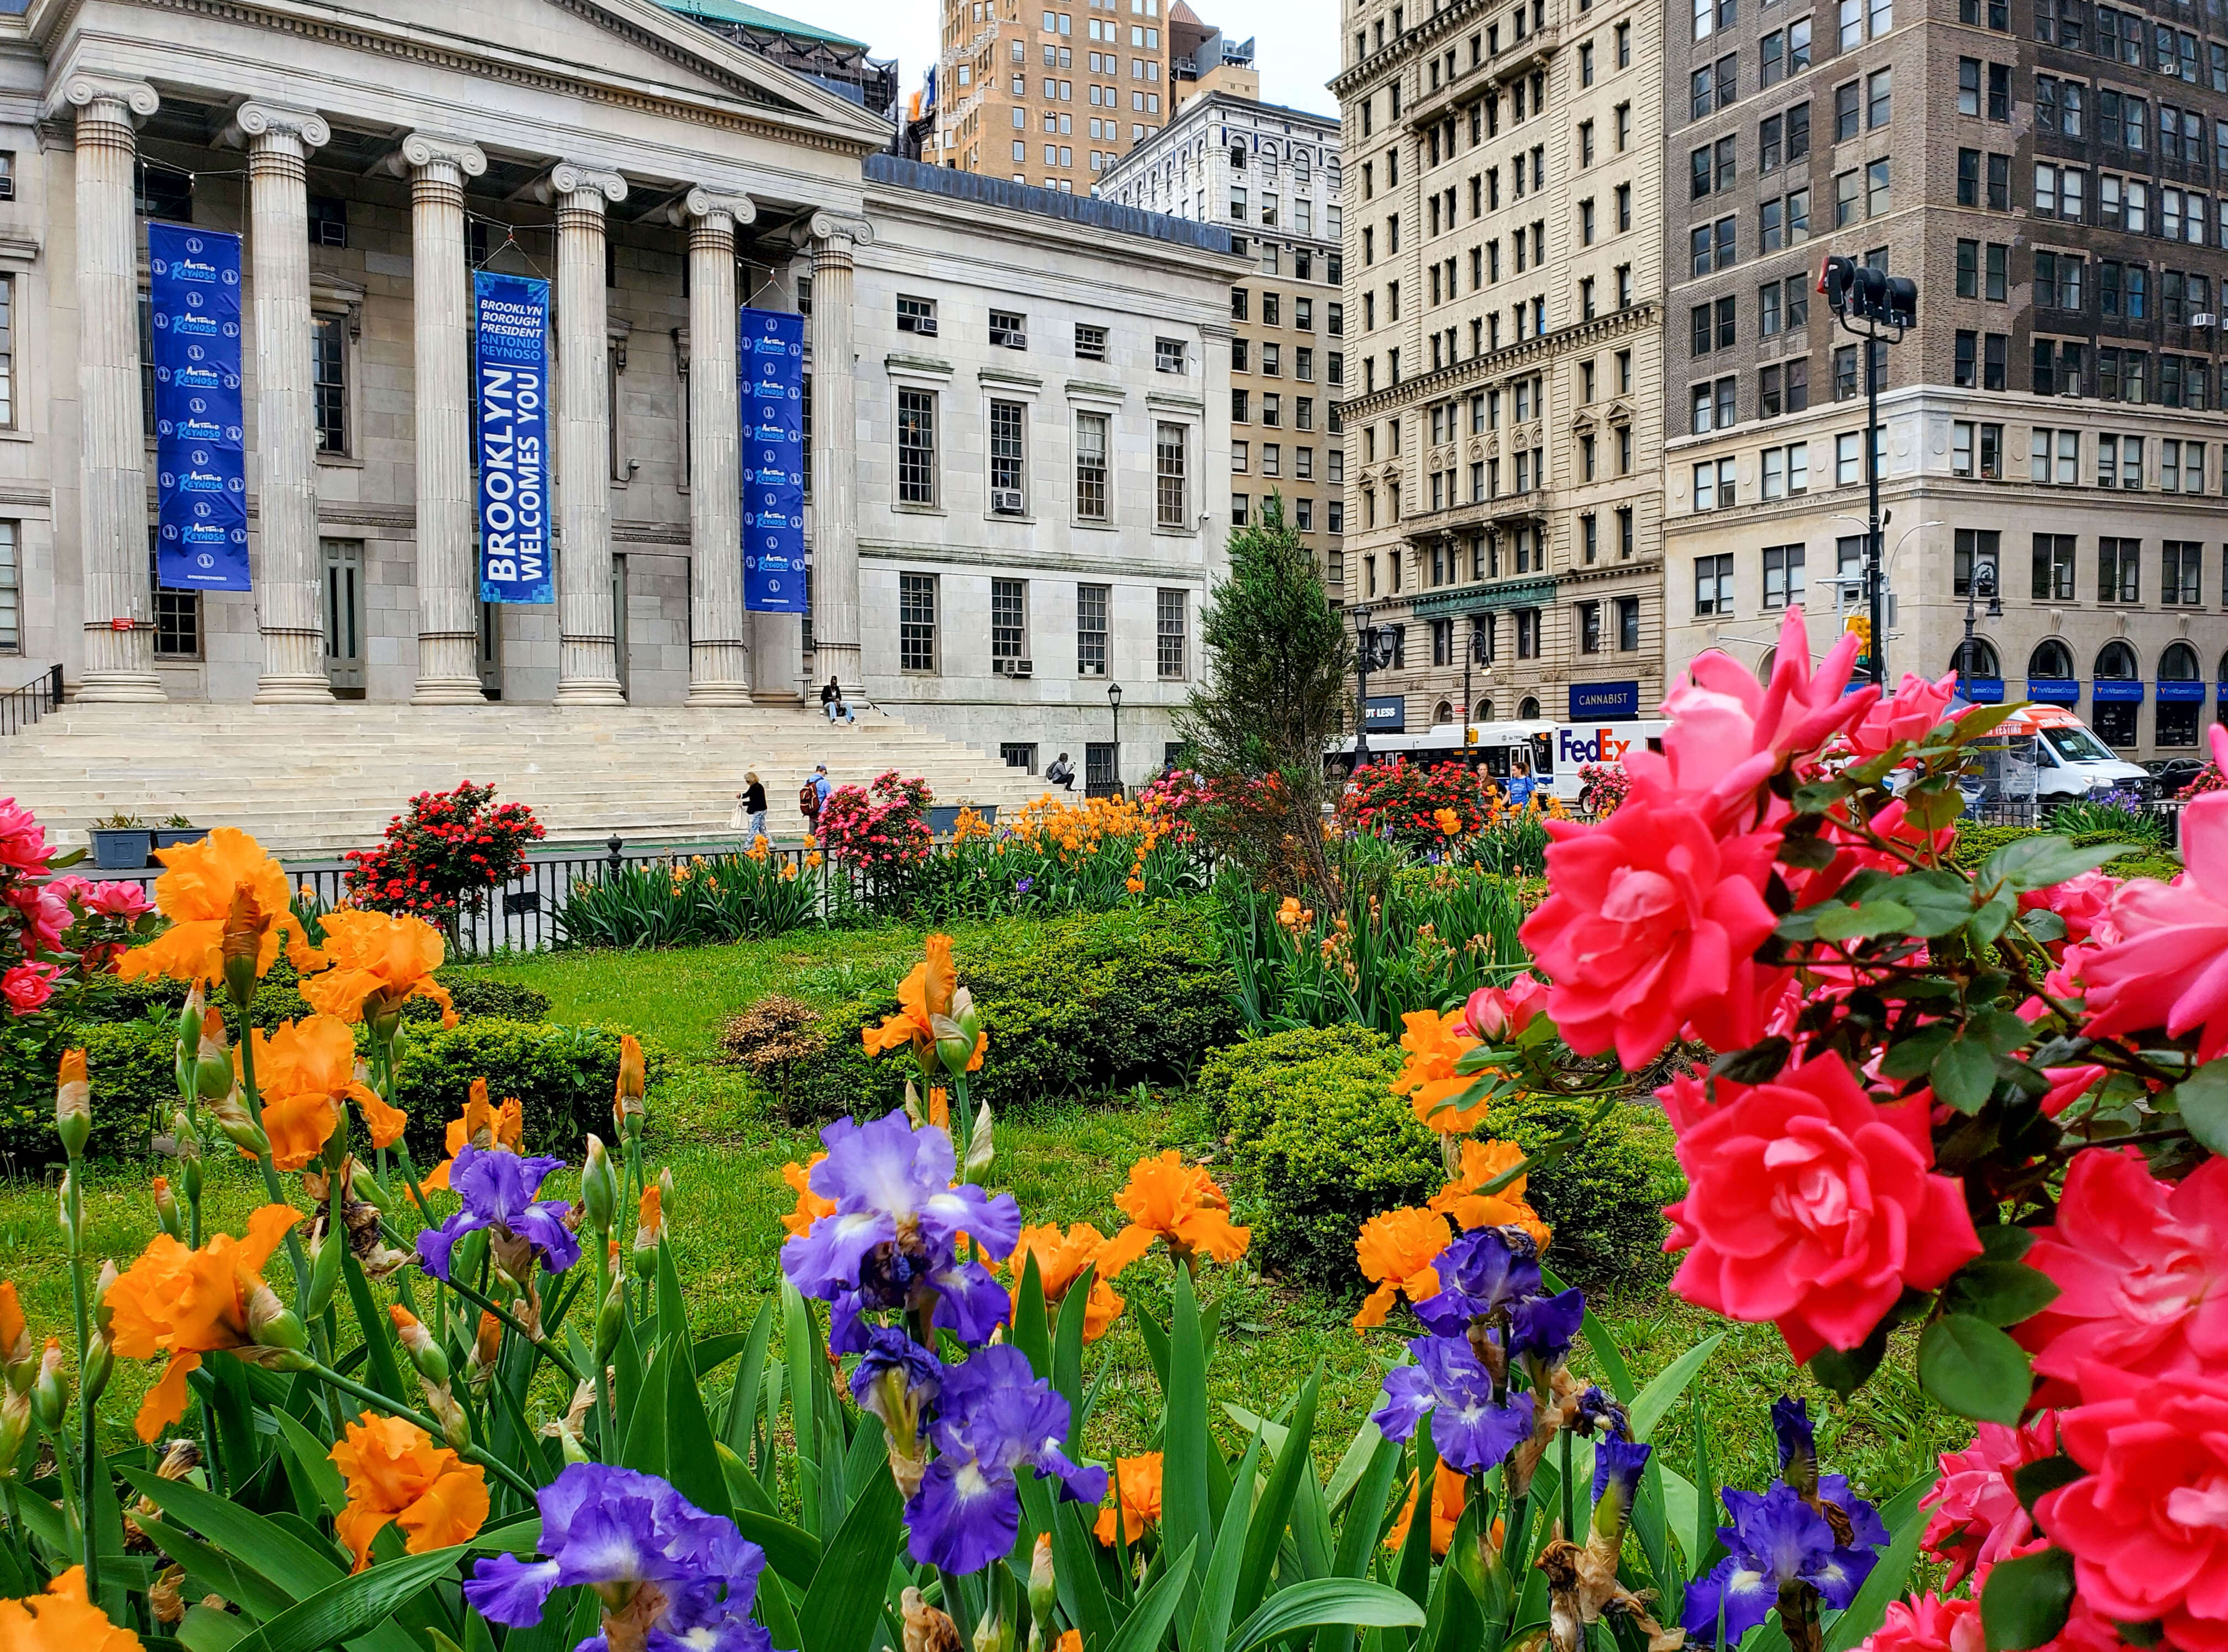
column 832, row 702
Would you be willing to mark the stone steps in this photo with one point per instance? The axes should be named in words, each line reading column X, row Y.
column 311, row 780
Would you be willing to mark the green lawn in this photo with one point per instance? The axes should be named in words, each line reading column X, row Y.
column 1064, row 1162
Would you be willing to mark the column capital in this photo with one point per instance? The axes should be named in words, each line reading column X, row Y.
column 421, row 150
column 572, row 178
column 701, row 202
column 138, row 98
column 835, row 226
column 253, row 120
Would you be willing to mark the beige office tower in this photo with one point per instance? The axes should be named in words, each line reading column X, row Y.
column 1049, row 94
column 1504, row 313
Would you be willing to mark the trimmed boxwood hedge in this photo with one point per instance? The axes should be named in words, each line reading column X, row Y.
column 1320, row 1143
column 1976, row 843
column 1078, row 1006
column 564, row 1075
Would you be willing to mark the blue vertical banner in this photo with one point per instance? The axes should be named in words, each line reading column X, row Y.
column 200, row 442
column 770, row 365
column 510, row 400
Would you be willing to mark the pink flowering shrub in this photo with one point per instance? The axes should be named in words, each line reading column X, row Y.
column 877, row 834
column 1984, row 1104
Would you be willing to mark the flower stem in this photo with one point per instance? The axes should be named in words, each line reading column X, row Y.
column 90, row 1461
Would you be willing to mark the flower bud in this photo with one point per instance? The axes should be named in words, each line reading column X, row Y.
column 272, row 1324
column 73, row 1104
column 633, row 1083
column 418, row 1342
column 192, row 1180
column 99, row 1362
column 1042, row 1594
column 599, row 1187
column 233, row 1119
column 608, row 1318
column 487, row 1346
column 456, row 1428
column 104, row 1315
column 189, row 1022
column 325, row 1272
column 993, row 1634
column 168, row 1217
column 14, row 1426
column 50, row 1389
column 62, row 1205
column 241, row 947
column 213, row 1067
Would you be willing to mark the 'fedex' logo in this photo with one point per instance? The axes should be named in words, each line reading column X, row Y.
column 1604, row 747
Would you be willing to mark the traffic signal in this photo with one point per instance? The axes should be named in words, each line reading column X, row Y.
column 1860, row 292
column 1835, row 277
column 1861, row 627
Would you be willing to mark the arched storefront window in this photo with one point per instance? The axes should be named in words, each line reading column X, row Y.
column 2181, row 696
column 2116, row 696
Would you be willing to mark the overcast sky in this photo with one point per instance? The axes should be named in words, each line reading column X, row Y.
column 1296, row 41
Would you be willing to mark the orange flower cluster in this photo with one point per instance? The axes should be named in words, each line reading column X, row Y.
column 372, row 963
column 1061, row 1258
column 482, row 1126
column 1397, row 1250
column 1176, row 1202
column 305, row 1071
column 186, row 1303
column 1435, row 1043
column 969, row 826
column 1136, row 1490
column 64, row 1619
column 1293, row 917
column 224, row 881
column 1084, row 828
column 397, row 1475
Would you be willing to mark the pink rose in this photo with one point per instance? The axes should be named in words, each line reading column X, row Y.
column 1812, row 1206
column 1930, row 1623
column 1729, row 733
column 2169, row 965
column 2083, row 902
column 1495, row 1014
column 2141, row 1269
column 1911, row 713
column 2147, row 1526
column 2068, row 1085
column 1652, row 922
column 22, row 840
column 27, row 986
column 1978, row 1519
column 114, row 899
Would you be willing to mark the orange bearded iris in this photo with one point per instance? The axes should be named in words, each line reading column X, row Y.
column 305, row 1071
column 62, row 1620
column 1169, row 1200
column 810, row 1206
column 396, row 1473
column 1137, row 1487
column 1061, row 1258
column 1481, row 1163
column 1435, row 1043
column 482, row 1126
column 186, row 1303
column 925, row 997
column 1396, row 1249
column 196, row 894
column 373, row 963
column 1448, row 1489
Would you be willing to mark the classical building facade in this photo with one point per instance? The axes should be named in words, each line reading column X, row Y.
column 661, row 176
column 2052, row 177
column 1503, row 369
column 1273, row 176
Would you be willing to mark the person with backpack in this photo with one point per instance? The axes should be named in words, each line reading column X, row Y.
column 811, row 797
column 1061, row 773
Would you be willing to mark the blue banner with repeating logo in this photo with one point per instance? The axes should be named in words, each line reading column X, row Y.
column 771, row 368
column 200, row 442
column 510, row 399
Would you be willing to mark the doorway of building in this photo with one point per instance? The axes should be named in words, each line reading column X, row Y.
column 345, row 617
column 619, row 622
column 490, row 650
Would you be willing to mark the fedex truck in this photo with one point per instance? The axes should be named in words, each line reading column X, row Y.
column 1552, row 753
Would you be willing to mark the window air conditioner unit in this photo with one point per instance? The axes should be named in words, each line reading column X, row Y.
column 7, row 187
column 1006, row 502
column 1020, row 668
column 926, row 327
column 2205, row 318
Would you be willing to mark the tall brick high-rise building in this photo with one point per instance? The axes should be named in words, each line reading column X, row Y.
column 1503, row 311
column 1048, row 92
column 2052, row 174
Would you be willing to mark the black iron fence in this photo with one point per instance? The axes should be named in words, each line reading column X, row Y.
column 21, row 707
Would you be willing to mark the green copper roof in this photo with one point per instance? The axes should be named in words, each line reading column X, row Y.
column 734, row 11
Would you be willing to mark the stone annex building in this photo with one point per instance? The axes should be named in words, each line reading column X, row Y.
column 1014, row 486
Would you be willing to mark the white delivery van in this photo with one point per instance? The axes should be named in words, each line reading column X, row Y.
column 2069, row 762
column 1553, row 752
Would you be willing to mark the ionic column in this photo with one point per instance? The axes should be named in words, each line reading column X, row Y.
column 719, row 661
column 120, row 663
column 289, row 584
column 448, row 588
column 587, row 660
column 834, row 491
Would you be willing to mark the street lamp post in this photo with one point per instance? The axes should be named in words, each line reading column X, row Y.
column 1982, row 583
column 1473, row 655
column 1114, row 702
column 1888, row 306
column 1365, row 645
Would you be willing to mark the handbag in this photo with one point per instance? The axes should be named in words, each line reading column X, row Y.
column 736, row 818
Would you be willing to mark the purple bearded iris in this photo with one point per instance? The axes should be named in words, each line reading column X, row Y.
column 994, row 1416
column 670, row 1577
column 497, row 1187
column 1618, row 1465
column 1776, row 1542
column 1798, row 1467
column 1543, row 1328
column 896, row 1380
column 1471, row 1430
column 1486, row 1272
column 1596, row 1411
column 892, row 1241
